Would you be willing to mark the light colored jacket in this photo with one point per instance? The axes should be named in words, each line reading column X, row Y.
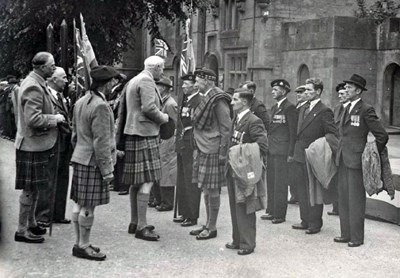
column 37, row 125
column 93, row 135
column 143, row 102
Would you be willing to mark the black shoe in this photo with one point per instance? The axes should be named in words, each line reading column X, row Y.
column 132, row 228
column 88, row 253
column 340, row 239
column 332, row 213
column 76, row 247
column 38, row 231
column 188, row 222
column 355, row 243
column 147, row 234
column 28, row 238
column 230, row 245
column 206, row 234
column 278, row 220
column 125, row 192
column 267, row 216
column 62, row 221
column 179, row 219
column 299, row 226
column 245, row 251
column 312, row 231
column 164, row 207
column 197, row 231
column 153, row 204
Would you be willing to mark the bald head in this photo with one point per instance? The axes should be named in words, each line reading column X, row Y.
column 58, row 80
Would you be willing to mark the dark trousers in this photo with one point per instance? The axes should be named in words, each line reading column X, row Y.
column 188, row 193
column 243, row 224
column 162, row 194
column 311, row 216
column 352, row 201
column 118, row 172
column 335, row 194
column 62, row 185
column 155, row 193
column 277, row 185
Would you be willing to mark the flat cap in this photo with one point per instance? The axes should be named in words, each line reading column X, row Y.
column 104, row 73
column 206, row 73
column 281, row 83
column 190, row 77
column 165, row 81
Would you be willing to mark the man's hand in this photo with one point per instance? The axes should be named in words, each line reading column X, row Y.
column 290, row 159
column 120, row 154
column 108, row 179
column 60, row 118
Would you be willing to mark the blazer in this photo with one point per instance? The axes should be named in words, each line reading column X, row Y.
column 282, row 129
column 318, row 123
column 143, row 106
column 353, row 132
column 37, row 125
column 93, row 136
column 216, row 138
column 258, row 108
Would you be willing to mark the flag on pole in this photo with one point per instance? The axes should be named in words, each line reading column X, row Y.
column 188, row 63
column 81, row 80
column 87, row 47
column 161, row 48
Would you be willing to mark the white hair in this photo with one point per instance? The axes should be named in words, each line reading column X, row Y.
column 153, row 61
column 58, row 71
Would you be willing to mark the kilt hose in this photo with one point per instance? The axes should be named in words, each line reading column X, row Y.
column 142, row 160
column 208, row 173
column 87, row 186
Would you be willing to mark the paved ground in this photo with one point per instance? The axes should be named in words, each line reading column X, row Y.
column 281, row 251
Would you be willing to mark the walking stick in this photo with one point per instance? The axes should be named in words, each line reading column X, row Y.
column 53, row 193
column 175, row 202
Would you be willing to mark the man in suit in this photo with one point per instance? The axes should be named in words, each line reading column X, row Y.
column 256, row 106
column 188, row 193
column 142, row 165
column 211, row 131
column 338, row 111
column 357, row 121
column 281, row 138
column 93, row 158
column 315, row 121
column 57, row 83
column 35, row 144
column 247, row 128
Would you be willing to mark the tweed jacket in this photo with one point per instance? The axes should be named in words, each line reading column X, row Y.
column 353, row 132
column 258, row 108
column 282, row 130
column 143, row 102
column 318, row 123
column 216, row 138
column 37, row 125
column 93, row 136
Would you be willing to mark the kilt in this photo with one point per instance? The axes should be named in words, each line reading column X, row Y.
column 87, row 186
column 32, row 170
column 208, row 173
column 142, row 160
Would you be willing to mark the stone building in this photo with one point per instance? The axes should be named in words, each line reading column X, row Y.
column 261, row 40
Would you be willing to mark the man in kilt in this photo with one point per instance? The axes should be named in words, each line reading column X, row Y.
column 35, row 144
column 142, row 155
column 93, row 159
column 211, row 131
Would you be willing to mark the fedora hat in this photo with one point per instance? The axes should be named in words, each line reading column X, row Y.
column 358, row 81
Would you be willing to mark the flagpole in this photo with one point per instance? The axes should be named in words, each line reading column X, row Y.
column 75, row 63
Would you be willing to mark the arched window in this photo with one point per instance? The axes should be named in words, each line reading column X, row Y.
column 391, row 95
column 302, row 75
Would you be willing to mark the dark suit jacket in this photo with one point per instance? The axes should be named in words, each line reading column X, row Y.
column 354, row 131
column 258, row 108
column 318, row 123
column 282, row 129
column 253, row 130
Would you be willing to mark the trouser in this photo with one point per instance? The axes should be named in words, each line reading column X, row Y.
column 62, row 185
column 27, row 207
column 277, row 185
column 311, row 216
column 155, row 193
column 188, row 193
column 352, row 201
column 167, row 195
column 118, row 172
column 243, row 224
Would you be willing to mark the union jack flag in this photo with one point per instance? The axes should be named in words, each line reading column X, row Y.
column 188, row 63
column 161, row 48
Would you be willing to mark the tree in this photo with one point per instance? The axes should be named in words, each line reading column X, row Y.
column 380, row 10
column 109, row 24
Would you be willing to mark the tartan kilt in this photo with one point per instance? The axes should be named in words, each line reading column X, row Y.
column 142, row 160
column 87, row 186
column 32, row 170
column 208, row 173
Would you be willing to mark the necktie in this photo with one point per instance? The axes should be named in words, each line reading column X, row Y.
column 307, row 109
column 345, row 114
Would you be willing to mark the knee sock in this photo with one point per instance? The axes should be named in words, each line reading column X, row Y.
column 214, row 209
column 75, row 221
column 142, row 200
column 85, row 220
column 133, row 200
column 207, row 204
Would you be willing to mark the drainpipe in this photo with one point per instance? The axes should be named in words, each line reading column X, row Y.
column 253, row 41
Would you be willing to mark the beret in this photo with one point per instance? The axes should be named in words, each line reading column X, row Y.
column 165, row 81
column 190, row 77
column 281, row 83
column 104, row 73
column 340, row 86
column 206, row 73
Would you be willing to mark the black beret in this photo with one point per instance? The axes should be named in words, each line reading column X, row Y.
column 190, row 77
column 340, row 86
column 167, row 130
column 11, row 79
column 104, row 73
column 206, row 73
column 165, row 81
column 281, row 83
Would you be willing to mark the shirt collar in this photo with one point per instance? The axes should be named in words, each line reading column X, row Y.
column 241, row 114
column 53, row 92
column 353, row 103
column 313, row 103
column 192, row 96
column 280, row 102
column 206, row 93
column 345, row 104
column 300, row 104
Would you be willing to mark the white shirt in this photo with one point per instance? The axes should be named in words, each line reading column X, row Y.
column 280, row 102
column 313, row 103
column 241, row 114
column 353, row 103
column 301, row 104
column 192, row 95
column 345, row 104
column 206, row 93
column 53, row 92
